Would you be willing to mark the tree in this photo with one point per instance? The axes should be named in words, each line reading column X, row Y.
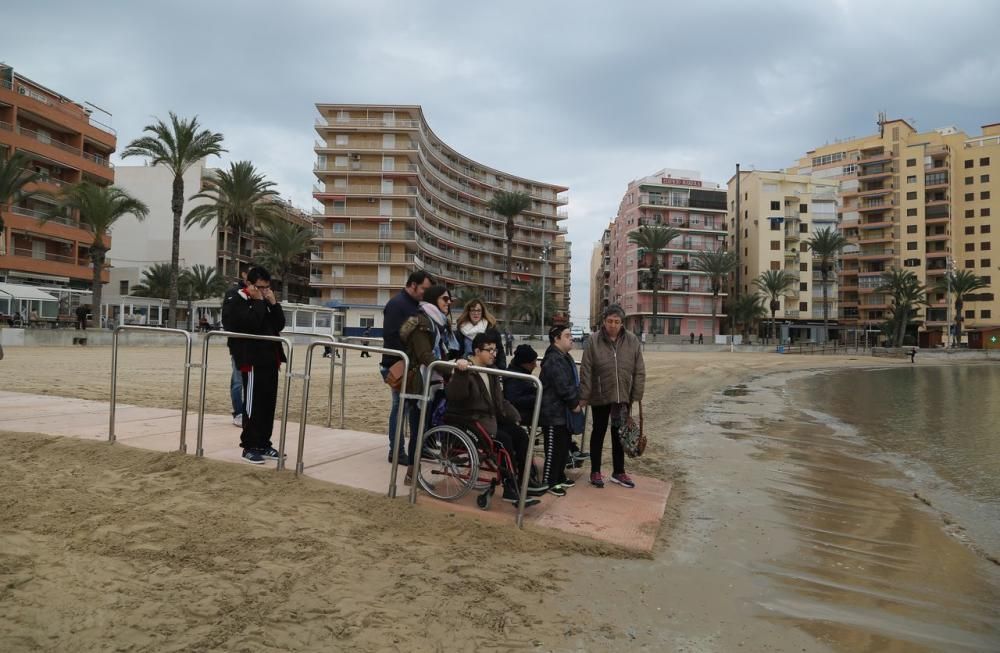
column 747, row 310
column 650, row 241
column 465, row 294
column 197, row 283
column 15, row 176
column 155, row 282
column 774, row 284
column 177, row 146
column 528, row 305
column 826, row 245
column 717, row 265
column 907, row 292
column 961, row 284
column 99, row 207
column 284, row 243
column 508, row 204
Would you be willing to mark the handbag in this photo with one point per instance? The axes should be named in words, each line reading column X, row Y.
column 632, row 438
column 394, row 377
column 576, row 422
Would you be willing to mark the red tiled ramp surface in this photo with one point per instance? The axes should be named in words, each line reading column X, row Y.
column 627, row 518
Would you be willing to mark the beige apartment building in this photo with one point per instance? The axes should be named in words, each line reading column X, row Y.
column 920, row 201
column 397, row 198
column 600, row 278
column 779, row 213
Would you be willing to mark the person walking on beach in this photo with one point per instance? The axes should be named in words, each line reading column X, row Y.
column 560, row 398
column 397, row 310
column 476, row 319
column 235, row 378
column 913, row 355
column 367, row 334
column 612, row 377
column 255, row 311
column 81, row 317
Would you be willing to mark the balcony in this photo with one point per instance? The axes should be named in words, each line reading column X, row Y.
column 875, row 192
column 359, row 166
column 321, row 193
column 875, row 157
column 366, row 234
column 874, row 172
column 944, row 253
column 877, row 253
column 368, row 146
column 357, row 281
column 645, row 199
column 368, row 257
column 374, row 211
column 46, row 139
column 875, row 205
column 367, row 123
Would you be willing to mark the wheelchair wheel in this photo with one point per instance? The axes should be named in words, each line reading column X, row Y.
column 485, row 498
column 449, row 466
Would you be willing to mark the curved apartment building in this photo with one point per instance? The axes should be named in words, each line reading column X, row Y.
column 396, row 198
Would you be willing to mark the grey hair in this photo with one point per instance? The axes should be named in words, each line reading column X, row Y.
column 614, row 309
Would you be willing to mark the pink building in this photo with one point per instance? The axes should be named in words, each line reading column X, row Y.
column 676, row 198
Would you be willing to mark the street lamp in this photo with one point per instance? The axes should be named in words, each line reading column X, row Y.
column 546, row 250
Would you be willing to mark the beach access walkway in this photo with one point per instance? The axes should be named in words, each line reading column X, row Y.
column 627, row 518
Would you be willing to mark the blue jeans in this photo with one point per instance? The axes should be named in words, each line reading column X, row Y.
column 236, row 389
column 411, row 411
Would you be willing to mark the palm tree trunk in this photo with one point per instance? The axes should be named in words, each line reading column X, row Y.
column 826, row 309
column 959, row 305
column 510, row 268
column 655, row 269
column 715, row 300
column 177, row 206
column 97, row 259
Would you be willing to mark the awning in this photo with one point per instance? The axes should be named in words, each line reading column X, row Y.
column 25, row 292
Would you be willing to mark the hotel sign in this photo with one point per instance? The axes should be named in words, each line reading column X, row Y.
column 670, row 181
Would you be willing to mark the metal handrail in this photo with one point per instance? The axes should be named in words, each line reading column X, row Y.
column 531, row 433
column 299, row 465
column 199, row 451
column 333, row 365
column 187, row 375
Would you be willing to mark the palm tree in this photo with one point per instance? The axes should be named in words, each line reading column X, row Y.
column 240, row 200
column 284, row 243
column 907, row 292
column 717, row 265
column 962, row 283
column 99, row 208
column 14, row 178
column 509, row 204
column 774, row 284
column 826, row 245
column 177, row 146
column 749, row 309
column 155, row 282
column 650, row 241
column 528, row 305
column 197, row 283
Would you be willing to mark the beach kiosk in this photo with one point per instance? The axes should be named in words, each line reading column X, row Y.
column 984, row 338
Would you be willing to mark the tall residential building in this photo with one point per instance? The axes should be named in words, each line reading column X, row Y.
column 396, row 198
column 66, row 145
column 680, row 199
column 600, row 278
column 919, row 201
column 779, row 213
column 140, row 245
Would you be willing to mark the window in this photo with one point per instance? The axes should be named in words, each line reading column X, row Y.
column 367, row 322
column 911, row 263
column 984, row 263
column 984, row 212
column 984, row 229
column 985, row 161
column 827, row 158
column 775, row 265
column 984, row 246
column 970, row 197
column 910, row 163
column 803, row 228
column 985, row 195
column 985, row 314
column 984, row 179
column 986, row 278
column 970, row 230
column 775, row 245
column 775, row 225
column 969, row 180
column 123, row 287
column 970, row 247
column 911, row 228
column 911, row 213
column 911, row 246
column 911, row 179
column 970, row 264
column 970, row 315
column 911, row 195
column 339, row 227
column 969, row 163
column 776, row 205
column 803, row 286
column 803, row 208
column 803, row 306
column 970, row 213
column 803, row 267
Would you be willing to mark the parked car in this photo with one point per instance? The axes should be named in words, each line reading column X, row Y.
column 578, row 334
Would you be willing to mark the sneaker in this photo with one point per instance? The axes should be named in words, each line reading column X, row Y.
column 270, row 453
column 511, row 497
column 623, row 480
column 557, row 490
column 537, row 492
column 535, row 486
column 581, row 455
column 253, row 457
column 238, row 421
column 596, row 479
column 567, row 483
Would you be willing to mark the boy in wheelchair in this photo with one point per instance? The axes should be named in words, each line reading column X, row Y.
column 475, row 401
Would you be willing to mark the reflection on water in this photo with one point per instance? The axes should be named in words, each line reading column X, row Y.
column 871, row 568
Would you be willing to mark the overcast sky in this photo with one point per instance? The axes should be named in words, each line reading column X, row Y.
column 585, row 94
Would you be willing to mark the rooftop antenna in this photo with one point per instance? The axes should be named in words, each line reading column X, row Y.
column 881, row 123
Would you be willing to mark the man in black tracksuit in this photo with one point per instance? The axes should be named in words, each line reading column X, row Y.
column 254, row 310
column 560, row 395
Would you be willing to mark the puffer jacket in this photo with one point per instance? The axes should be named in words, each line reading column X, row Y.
column 612, row 372
column 469, row 401
column 560, row 392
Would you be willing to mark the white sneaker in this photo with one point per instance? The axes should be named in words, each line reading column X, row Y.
column 238, row 420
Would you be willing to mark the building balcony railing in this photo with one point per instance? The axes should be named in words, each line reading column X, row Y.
column 377, row 123
column 353, row 257
column 365, row 190
column 45, row 139
column 45, row 256
column 357, row 280
column 365, row 234
column 358, row 166
column 58, row 219
column 362, row 211
column 373, row 146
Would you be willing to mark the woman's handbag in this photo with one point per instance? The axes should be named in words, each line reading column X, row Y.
column 576, row 422
column 394, row 377
column 631, row 435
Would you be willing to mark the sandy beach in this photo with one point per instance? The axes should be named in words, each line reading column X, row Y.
column 113, row 548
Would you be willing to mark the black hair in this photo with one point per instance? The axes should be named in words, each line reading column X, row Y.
column 555, row 332
column 258, row 273
column 483, row 339
column 418, row 277
column 432, row 294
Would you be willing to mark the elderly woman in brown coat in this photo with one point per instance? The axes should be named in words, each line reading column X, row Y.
column 612, row 377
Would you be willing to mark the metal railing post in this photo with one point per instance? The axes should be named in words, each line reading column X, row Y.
column 114, row 376
column 492, row 371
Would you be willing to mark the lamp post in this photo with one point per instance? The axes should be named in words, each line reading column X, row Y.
column 546, row 249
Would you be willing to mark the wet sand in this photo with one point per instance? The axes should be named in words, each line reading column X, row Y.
column 165, row 552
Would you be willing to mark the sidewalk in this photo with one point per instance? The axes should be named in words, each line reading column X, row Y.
column 627, row 518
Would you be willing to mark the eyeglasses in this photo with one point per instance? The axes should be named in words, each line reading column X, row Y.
column 490, row 350
column 447, row 299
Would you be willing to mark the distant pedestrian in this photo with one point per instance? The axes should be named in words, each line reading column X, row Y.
column 81, row 317
column 913, row 355
column 644, row 340
column 701, row 338
column 366, row 334
column 692, row 337
column 509, row 337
